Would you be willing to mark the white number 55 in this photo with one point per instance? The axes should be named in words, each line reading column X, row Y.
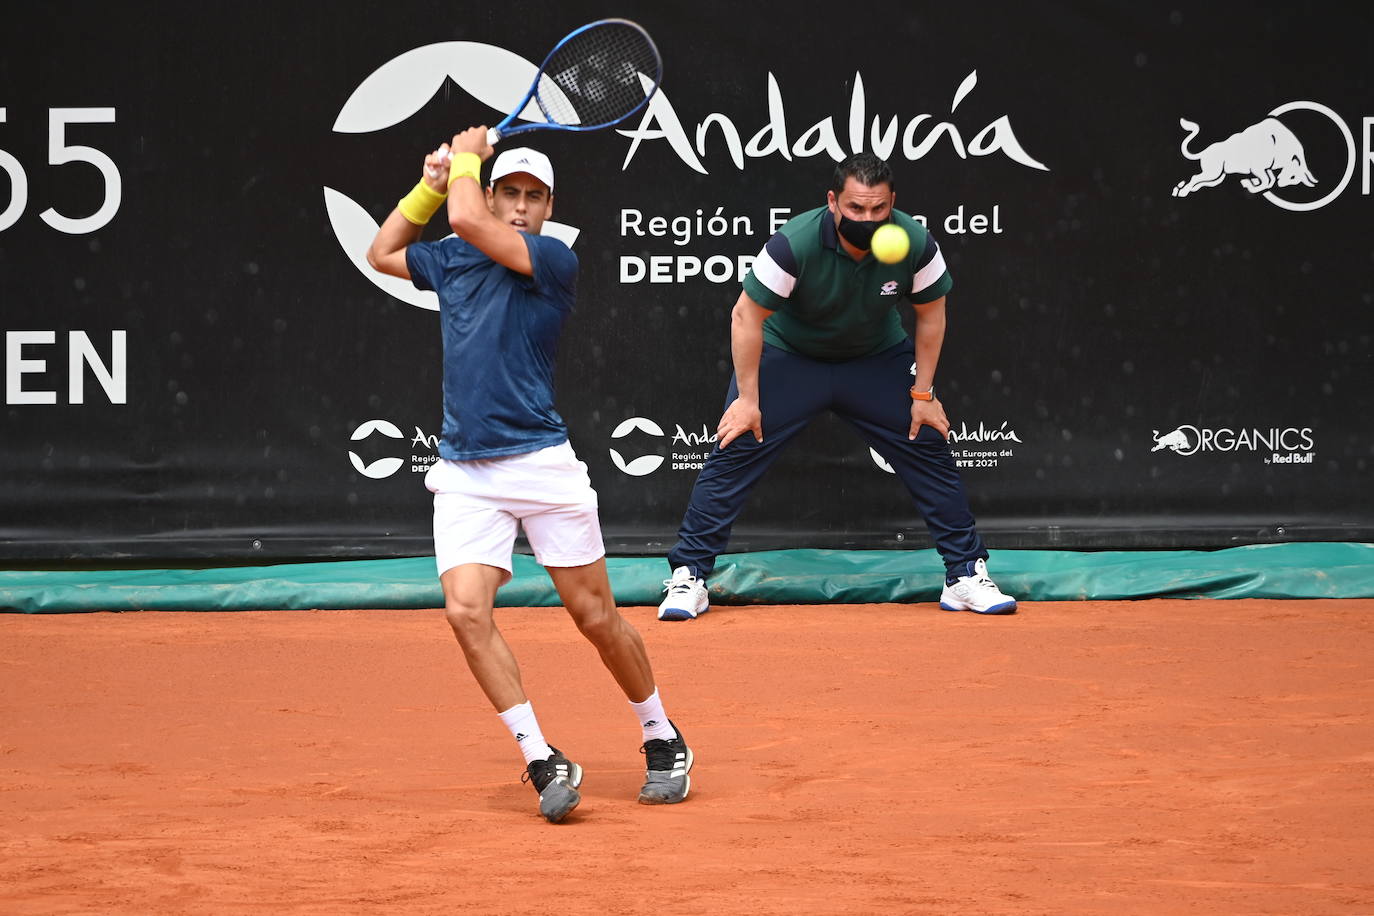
column 60, row 153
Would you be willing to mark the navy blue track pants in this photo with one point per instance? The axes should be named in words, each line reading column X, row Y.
column 870, row 394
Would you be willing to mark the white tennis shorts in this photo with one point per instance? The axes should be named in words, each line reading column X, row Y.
column 479, row 505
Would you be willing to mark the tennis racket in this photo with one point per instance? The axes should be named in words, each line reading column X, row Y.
column 596, row 77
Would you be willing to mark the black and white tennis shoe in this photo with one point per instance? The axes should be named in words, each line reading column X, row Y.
column 668, row 763
column 556, row 779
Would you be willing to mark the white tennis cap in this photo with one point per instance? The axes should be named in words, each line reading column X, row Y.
column 522, row 159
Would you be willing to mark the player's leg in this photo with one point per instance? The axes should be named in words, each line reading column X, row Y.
column 792, row 390
column 473, row 540
column 873, row 396
column 469, row 597
column 586, row 593
column 566, row 539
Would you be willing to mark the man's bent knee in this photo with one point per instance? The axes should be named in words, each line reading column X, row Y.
column 600, row 625
column 467, row 619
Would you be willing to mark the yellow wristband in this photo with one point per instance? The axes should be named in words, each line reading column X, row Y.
column 461, row 164
column 421, row 203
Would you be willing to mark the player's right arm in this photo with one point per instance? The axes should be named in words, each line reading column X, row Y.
column 470, row 215
column 746, row 349
column 387, row 253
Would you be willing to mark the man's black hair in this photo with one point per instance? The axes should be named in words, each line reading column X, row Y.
column 865, row 168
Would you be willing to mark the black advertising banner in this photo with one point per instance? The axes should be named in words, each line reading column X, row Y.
column 1157, row 220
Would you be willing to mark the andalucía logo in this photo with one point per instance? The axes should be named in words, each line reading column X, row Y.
column 1284, row 445
column 911, row 136
column 395, row 91
column 977, row 447
column 383, row 467
column 688, row 449
column 644, row 464
column 1271, row 160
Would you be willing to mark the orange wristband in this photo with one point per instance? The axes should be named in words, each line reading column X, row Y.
column 923, row 395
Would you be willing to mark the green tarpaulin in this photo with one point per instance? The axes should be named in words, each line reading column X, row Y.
column 1307, row 570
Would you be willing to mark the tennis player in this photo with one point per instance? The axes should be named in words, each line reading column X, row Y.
column 505, row 460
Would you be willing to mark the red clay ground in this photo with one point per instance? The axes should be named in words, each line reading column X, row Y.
column 1156, row 757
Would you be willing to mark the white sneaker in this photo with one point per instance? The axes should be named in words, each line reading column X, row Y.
column 686, row 596
column 976, row 593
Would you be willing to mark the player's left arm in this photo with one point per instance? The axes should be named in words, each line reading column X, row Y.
column 405, row 224
column 930, row 338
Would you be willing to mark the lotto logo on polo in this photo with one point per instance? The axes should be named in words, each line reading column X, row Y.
column 889, row 288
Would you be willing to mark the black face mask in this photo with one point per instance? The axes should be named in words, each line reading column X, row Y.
column 859, row 232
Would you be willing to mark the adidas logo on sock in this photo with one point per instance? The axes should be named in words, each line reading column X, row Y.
column 651, row 723
column 521, row 737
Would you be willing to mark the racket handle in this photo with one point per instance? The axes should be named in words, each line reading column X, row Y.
column 446, row 156
column 493, row 137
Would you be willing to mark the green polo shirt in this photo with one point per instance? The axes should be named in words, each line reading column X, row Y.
column 828, row 306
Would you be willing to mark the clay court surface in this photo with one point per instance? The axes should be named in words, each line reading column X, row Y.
column 1149, row 757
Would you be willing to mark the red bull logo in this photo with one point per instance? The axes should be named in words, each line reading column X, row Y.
column 1178, row 440
column 1269, row 157
column 1267, row 153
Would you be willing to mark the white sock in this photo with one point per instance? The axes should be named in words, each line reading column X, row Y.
column 525, row 728
column 652, row 719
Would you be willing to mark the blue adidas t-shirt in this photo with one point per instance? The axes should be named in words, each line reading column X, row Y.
column 500, row 331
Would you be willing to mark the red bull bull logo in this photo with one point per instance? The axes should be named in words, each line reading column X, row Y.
column 1269, row 157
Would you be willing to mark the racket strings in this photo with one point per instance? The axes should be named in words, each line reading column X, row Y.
column 595, row 77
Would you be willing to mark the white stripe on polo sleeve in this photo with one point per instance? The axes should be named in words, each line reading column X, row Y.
column 928, row 275
column 767, row 272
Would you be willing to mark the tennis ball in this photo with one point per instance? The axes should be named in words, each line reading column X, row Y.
column 890, row 243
